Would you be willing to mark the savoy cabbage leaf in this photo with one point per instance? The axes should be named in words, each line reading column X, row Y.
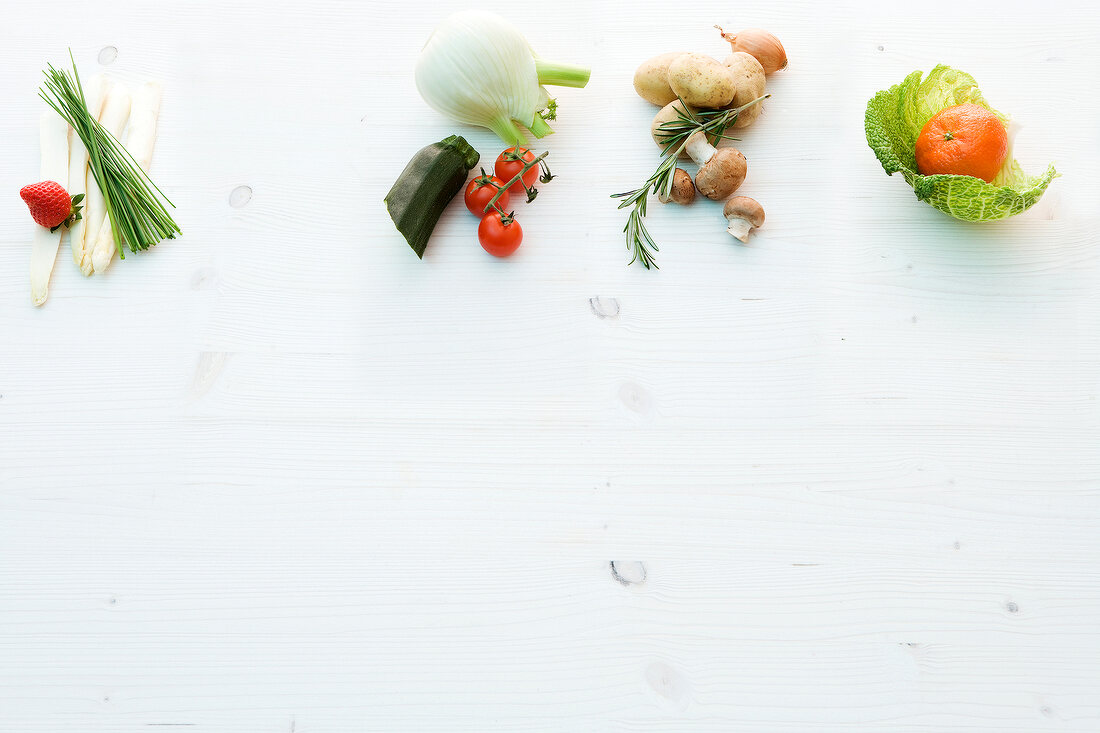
column 895, row 118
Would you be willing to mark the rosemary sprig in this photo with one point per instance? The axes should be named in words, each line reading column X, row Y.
column 674, row 139
column 138, row 215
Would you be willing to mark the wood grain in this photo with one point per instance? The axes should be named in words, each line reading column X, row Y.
column 279, row 475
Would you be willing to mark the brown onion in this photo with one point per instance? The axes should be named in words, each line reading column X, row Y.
column 760, row 44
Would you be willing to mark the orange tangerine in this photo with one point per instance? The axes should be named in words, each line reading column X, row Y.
column 964, row 140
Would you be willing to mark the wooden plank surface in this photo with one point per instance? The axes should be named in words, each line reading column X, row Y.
column 280, row 475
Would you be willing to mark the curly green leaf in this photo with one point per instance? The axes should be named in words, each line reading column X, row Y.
column 895, row 118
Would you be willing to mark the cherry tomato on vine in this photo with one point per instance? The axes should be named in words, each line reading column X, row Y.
column 481, row 190
column 511, row 162
column 499, row 235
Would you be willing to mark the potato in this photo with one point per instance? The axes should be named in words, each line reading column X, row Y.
column 701, row 81
column 669, row 113
column 748, row 77
column 651, row 79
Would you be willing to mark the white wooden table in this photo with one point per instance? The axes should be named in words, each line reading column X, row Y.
column 280, row 475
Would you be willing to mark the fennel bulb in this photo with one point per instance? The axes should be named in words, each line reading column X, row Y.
column 478, row 69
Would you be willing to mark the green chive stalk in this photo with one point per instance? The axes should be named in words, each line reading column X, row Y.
column 138, row 215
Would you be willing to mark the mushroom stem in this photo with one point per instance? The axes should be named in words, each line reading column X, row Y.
column 699, row 148
column 739, row 228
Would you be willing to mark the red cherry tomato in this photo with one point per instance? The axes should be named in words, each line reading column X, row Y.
column 511, row 162
column 481, row 190
column 499, row 235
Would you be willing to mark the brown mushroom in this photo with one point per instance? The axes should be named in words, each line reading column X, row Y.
column 683, row 190
column 721, row 170
column 743, row 213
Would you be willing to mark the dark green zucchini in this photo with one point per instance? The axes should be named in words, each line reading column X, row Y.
column 428, row 183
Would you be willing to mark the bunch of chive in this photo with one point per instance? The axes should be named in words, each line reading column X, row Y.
column 138, row 215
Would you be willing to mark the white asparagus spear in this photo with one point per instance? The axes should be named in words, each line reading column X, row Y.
column 143, row 134
column 53, row 133
column 116, row 110
column 78, row 164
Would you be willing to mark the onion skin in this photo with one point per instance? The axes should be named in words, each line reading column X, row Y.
column 760, row 44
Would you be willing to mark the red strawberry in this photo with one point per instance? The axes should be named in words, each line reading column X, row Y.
column 50, row 204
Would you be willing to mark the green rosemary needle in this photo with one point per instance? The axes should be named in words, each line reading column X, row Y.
column 674, row 138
